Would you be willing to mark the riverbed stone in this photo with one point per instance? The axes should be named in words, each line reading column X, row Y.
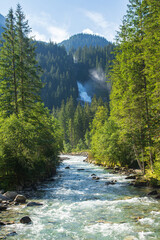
column 140, row 184
column 67, row 167
column 25, row 220
column 11, row 234
column 131, row 177
column 158, row 196
column 20, row 199
column 10, row 195
column 95, row 178
column 32, row 204
column 154, row 192
column 3, row 198
column 111, row 182
column 3, row 207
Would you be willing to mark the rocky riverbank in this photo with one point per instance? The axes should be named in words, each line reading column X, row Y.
column 7, row 201
column 137, row 179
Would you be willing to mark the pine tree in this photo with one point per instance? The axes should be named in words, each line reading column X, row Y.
column 27, row 67
column 8, row 68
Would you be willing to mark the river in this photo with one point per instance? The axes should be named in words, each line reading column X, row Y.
column 77, row 207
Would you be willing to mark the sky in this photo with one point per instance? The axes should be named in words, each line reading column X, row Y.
column 57, row 20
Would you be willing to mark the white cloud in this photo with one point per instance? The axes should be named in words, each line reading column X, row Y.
column 37, row 36
column 104, row 28
column 57, row 34
column 97, row 18
column 44, row 28
column 88, row 31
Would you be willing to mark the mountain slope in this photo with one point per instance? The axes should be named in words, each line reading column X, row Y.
column 81, row 40
column 2, row 23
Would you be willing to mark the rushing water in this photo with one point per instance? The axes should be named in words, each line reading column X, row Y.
column 77, row 207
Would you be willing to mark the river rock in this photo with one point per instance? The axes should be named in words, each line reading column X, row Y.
column 20, row 199
column 32, row 204
column 140, row 184
column 25, row 220
column 3, row 198
column 116, row 168
column 11, row 234
column 6, row 223
column 95, row 178
column 111, row 182
column 158, row 196
column 3, row 207
column 10, row 195
column 80, row 169
column 67, row 167
column 154, row 192
column 131, row 177
column 2, row 224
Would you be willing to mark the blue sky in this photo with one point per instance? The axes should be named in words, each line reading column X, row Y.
column 57, row 20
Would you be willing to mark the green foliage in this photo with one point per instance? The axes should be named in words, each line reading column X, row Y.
column 29, row 146
column 75, row 121
column 30, row 137
column 132, row 131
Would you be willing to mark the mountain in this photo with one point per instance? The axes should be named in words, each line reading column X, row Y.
column 2, row 23
column 81, row 40
column 59, row 76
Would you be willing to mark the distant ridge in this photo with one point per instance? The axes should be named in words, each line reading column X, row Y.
column 2, row 23
column 83, row 39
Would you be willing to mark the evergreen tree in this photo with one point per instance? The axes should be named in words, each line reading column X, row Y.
column 8, row 68
column 27, row 67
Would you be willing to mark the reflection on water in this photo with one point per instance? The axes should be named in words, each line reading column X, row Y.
column 77, row 207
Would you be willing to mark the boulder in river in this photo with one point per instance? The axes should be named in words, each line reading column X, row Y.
column 95, row 178
column 67, row 167
column 111, row 182
column 140, row 184
column 20, row 199
column 2, row 224
column 158, row 196
column 11, row 234
column 93, row 174
column 154, row 192
column 32, row 204
column 3, row 198
column 10, row 195
column 25, row 220
column 3, row 207
column 131, row 177
column 6, row 223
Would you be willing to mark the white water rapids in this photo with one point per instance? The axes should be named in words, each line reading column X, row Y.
column 77, row 207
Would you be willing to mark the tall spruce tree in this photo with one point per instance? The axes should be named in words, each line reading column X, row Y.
column 28, row 69
column 8, row 68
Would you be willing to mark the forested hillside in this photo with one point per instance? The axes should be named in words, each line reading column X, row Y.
column 82, row 40
column 59, row 76
column 62, row 72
